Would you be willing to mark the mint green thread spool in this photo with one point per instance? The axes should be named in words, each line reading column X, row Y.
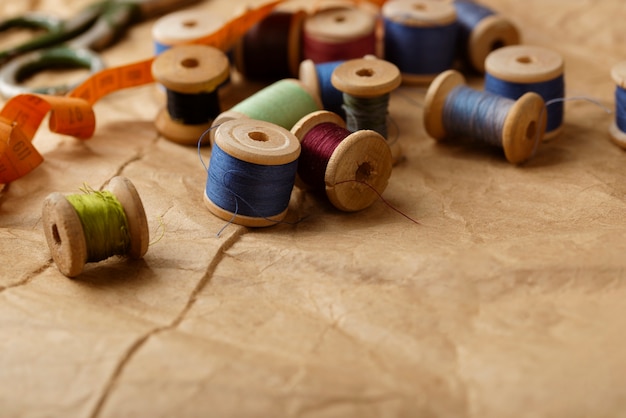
column 95, row 226
column 282, row 103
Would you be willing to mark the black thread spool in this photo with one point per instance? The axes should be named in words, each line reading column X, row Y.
column 191, row 75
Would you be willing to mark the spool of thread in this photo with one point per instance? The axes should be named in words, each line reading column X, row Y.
column 191, row 75
column 617, row 129
column 481, row 31
column 420, row 38
column 95, row 226
column 270, row 50
column 282, row 103
column 182, row 27
column 515, row 70
column 251, row 172
column 454, row 110
column 317, row 77
column 352, row 169
column 366, row 85
column 339, row 33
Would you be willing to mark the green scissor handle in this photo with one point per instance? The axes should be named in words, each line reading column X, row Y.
column 24, row 66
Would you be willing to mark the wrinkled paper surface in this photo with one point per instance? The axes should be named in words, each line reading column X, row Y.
column 508, row 299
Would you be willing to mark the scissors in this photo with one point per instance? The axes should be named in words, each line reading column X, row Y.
column 71, row 43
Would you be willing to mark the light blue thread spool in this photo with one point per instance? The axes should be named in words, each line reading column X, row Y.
column 454, row 110
column 617, row 129
column 251, row 172
column 515, row 70
column 420, row 38
column 481, row 31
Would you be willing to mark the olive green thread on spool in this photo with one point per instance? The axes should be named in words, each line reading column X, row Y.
column 104, row 223
column 95, row 225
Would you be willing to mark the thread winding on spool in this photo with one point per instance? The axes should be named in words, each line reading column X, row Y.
column 251, row 172
column 617, row 129
column 339, row 33
column 454, row 110
column 352, row 169
column 482, row 31
column 183, row 27
column 270, row 50
column 282, row 103
column 191, row 75
column 515, row 70
column 420, row 38
column 95, row 226
column 366, row 85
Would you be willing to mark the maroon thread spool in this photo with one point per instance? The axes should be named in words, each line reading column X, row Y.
column 270, row 50
column 352, row 169
column 339, row 33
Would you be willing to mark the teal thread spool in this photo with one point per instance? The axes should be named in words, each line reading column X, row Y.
column 95, row 226
column 282, row 103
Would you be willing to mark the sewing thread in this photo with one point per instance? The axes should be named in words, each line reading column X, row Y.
column 620, row 108
column 366, row 113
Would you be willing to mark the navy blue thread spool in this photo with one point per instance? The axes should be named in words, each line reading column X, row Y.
column 191, row 75
column 515, row 70
column 516, row 126
column 352, row 169
column 339, row 33
column 251, row 172
column 481, row 30
column 271, row 49
column 182, row 27
column 420, row 38
column 617, row 129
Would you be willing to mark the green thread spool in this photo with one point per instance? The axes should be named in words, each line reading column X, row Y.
column 95, row 226
column 282, row 103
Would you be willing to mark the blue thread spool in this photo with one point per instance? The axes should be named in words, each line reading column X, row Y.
column 617, row 129
column 191, row 75
column 515, row 70
column 454, row 110
column 182, row 27
column 420, row 38
column 251, row 172
column 481, row 31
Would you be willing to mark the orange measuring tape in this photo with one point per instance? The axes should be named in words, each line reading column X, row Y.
column 73, row 114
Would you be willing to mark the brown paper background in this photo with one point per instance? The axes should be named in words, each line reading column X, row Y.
column 508, row 300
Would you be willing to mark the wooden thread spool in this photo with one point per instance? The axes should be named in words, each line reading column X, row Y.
column 420, row 38
column 183, row 27
column 522, row 127
column 515, row 70
column 365, row 81
column 251, row 172
column 282, row 103
column 482, row 31
column 65, row 230
column 191, row 75
column 339, row 33
column 357, row 170
column 270, row 50
column 617, row 129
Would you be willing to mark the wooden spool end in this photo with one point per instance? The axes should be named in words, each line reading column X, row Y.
column 179, row 132
column 65, row 235
column 618, row 74
column 526, row 64
column 359, row 168
column 435, row 101
column 184, row 26
column 491, row 33
column 307, row 74
column 366, row 77
column 524, row 128
column 339, row 24
column 256, row 142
